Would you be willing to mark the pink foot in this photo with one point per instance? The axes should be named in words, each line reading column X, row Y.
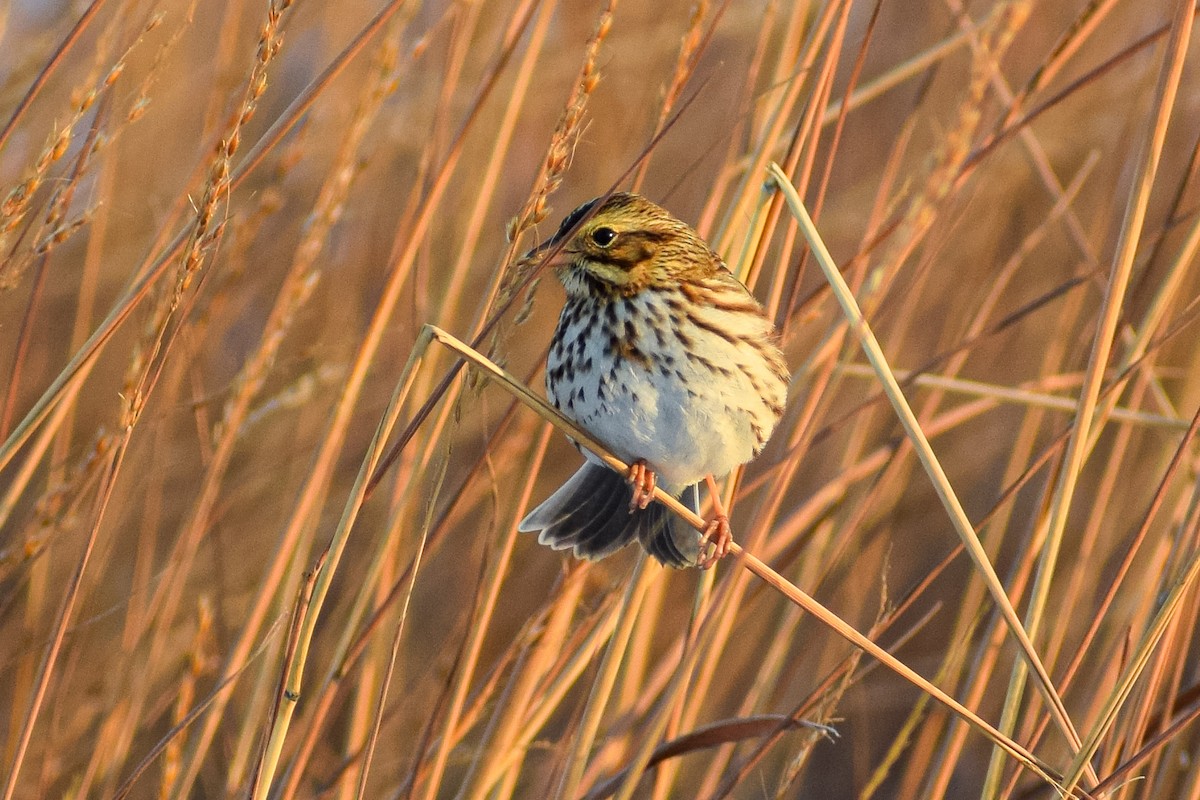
column 643, row 480
column 714, row 543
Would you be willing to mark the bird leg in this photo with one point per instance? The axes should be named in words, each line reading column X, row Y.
column 643, row 480
column 717, row 536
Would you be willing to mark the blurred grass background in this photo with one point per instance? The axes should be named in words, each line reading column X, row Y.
column 223, row 225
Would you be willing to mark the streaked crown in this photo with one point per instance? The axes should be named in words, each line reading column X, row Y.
column 625, row 244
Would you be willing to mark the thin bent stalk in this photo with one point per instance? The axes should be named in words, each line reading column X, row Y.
column 925, row 453
column 748, row 561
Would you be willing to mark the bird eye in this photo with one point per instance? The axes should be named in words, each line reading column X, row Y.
column 604, row 236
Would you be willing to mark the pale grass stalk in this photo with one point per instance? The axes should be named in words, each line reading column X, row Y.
column 344, row 652
column 775, row 118
column 477, row 630
column 413, row 571
column 895, row 470
column 738, row 137
column 201, row 239
column 553, row 690
column 804, row 144
column 1017, row 396
column 469, row 716
column 1167, row 656
column 436, row 433
column 288, row 687
column 262, row 689
column 1127, row 729
column 748, row 561
column 928, row 460
column 165, row 252
column 1185, row 629
column 1137, row 663
column 1149, row 592
column 979, row 674
column 328, row 563
column 1106, row 330
column 77, row 30
column 40, row 682
column 800, row 159
column 691, row 47
column 1075, row 585
column 297, row 287
column 299, row 528
column 888, row 488
column 1040, row 161
column 488, row 182
column 602, row 686
column 1034, row 151
column 420, row 464
column 769, row 675
column 754, row 239
column 1164, row 296
column 500, row 746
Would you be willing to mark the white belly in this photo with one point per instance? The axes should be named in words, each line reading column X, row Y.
column 685, row 417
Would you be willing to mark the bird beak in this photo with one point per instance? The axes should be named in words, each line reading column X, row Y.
column 552, row 254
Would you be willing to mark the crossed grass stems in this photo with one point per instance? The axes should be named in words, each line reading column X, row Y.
column 1130, row 669
column 1070, row 782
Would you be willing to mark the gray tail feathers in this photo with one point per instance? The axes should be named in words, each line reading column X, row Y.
column 590, row 514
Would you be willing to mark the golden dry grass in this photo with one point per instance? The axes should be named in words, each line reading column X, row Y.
column 223, row 227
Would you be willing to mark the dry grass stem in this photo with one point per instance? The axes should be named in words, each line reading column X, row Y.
column 225, row 228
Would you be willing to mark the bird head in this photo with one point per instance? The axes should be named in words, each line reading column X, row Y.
column 621, row 244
